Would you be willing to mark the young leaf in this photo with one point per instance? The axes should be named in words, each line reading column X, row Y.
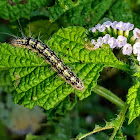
column 37, row 84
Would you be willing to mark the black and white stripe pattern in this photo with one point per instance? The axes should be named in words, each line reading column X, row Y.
column 51, row 58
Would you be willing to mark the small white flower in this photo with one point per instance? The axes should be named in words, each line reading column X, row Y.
column 93, row 29
column 97, row 26
column 121, row 41
column 107, row 24
column 101, row 28
column 138, row 57
column 112, row 42
column 93, row 41
column 120, row 25
column 136, row 33
column 100, row 41
column 96, row 46
column 90, row 29
column 136, row 48
column 128, row 26
column 106, row 38
column 113, row 25
column 127, row 49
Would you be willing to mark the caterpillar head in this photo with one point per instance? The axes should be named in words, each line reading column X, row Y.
column 19, row 41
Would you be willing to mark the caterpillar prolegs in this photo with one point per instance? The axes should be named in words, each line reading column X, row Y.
column 52, row 59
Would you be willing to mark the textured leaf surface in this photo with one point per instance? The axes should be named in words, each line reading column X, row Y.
column 82, row 12
column 133, row 100
column 37, row 84
column 10, row 9
column 5, row 81
column 67, row 104
column 121, row 11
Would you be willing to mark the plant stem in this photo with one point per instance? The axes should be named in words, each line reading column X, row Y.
column 122, row 66
column 121, row 118
column 108, row 95
column 95, row 131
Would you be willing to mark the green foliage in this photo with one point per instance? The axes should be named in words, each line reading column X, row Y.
column 2, row 132
column 136, row 20
column 124, row 12
column 115, row 124
column 37, row 84
column 133, row 97
column 120, row 136
column 82, row 12
column 41, row 28
column 67, row 104
column 133, row 101
column 5, row 81
column 15, row 9
column 33, row 82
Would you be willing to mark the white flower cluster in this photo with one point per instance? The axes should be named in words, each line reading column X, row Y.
column 115, row 25
column 121, row 40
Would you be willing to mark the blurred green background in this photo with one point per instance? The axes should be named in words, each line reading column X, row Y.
column 18, row 122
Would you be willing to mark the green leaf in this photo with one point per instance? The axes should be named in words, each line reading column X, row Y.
column 133, row 100
column 115, row 124
column 83, row 12
column 12, row 10
column 136, row 20
column 5, row 81
column 67, row 104
column 121, row 11
column 37, row 84
column 59, row 8
column 120, row 136
column 42, row 28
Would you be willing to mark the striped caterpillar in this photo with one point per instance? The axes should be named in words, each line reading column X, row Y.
column 51, row 59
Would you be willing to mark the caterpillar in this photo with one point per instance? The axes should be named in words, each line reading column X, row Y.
column 52, row 59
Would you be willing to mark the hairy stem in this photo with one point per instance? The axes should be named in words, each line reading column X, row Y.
column 115, row 124
column 108, row 95
column 121, row 118
column 95, row 131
